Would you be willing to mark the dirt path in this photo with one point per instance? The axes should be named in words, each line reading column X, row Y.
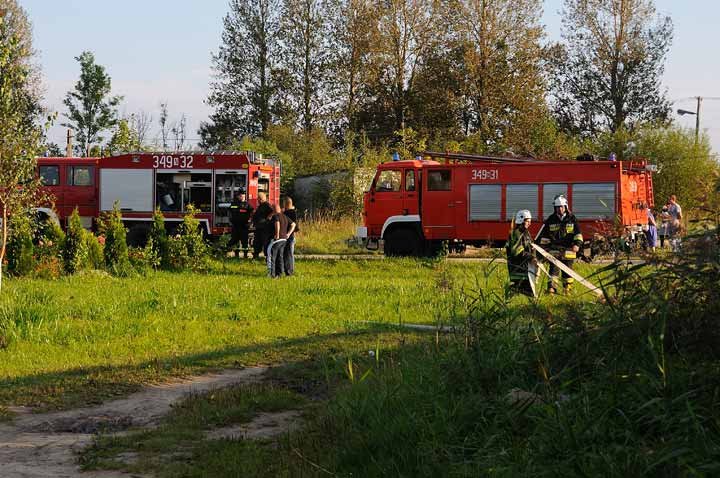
column 44, row 445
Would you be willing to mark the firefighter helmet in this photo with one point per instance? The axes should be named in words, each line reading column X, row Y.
column 560, row 201
column 522, row 215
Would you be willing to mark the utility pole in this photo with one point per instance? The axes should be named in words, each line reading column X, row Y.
column 697, row 120
column 699, row 100
column 69, row 147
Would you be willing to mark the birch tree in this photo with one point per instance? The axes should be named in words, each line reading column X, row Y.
column 20, row 131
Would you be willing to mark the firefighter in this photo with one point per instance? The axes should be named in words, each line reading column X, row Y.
column 562, row 237
column 240, row 213
column 520, row 253
column 261, row 223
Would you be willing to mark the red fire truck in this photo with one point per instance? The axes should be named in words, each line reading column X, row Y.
column 416, row 205
column 142, row 182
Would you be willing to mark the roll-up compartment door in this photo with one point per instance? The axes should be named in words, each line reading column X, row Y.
column 521, row 196
column 133, row 188
column 593, row 200
column 485, row 202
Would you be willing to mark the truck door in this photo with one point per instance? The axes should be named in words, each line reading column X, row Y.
column 410, row 192
column 386, row 197
column 79, row 191
column 440, row 208
column 50, row 178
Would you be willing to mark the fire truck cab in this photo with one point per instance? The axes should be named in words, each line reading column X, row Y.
column 172, row 182
column 414, row 206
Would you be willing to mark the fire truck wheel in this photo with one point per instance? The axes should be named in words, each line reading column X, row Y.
column 137, row 236
column 402, row 242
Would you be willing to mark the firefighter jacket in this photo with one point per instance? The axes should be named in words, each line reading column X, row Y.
column 561, row 233
column 519, row 253
column 240, row 212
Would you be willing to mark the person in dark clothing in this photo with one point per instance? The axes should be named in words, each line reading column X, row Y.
column 561, row 235
column 282, row 229
column 260, row 221
column 520, row 253
column 240, row 213
column 289, row 254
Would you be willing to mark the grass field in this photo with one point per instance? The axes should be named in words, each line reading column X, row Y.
column 378, row 400
column 328, row 236
column 90, row 336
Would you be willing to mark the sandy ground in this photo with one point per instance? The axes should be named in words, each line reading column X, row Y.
column 45, row 445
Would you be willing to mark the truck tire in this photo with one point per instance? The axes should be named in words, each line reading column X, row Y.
column 402, row 242
column 137, row 235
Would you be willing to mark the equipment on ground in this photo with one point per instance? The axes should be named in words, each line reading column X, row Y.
column 589, row 285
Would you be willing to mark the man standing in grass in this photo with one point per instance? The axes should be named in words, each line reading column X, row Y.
column 260, row 221
column 675, row 223
column 289, row 255
column 561, row 234
column 282, row 228
column 240, row 214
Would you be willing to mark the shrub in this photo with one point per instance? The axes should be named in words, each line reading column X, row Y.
column 74, row 251
column 95, row 258
column 157, row 244
column 142, row 258
column 187, row 249
column 20, row 245
column 50, row 241
column 115, row 251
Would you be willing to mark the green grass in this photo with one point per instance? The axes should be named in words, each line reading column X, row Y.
column 92, row 337
column 182, row 430
column 612, row 400
column 85, row 338
column 328, row 236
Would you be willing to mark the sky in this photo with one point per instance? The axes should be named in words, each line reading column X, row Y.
column 160, row 50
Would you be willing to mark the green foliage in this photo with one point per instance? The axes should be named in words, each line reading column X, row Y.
column 115, row 249
column 20, row 247
column 75, row 251
column 124, row 139
column 95, row 253
column 248, row 89
column 606, row 74
column 686, row 168
column 50, row 240
column 20, row 125
column 409, row 143
column 157, row 246
column 187, row 249
column 91, row 109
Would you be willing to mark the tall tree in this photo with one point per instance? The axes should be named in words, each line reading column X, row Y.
column 305, row 34
column 351, row 33
column 20, row 131
column 246, row 92
column 91, row 109
column 503, row 87
column 608, row 68
column 406, row 33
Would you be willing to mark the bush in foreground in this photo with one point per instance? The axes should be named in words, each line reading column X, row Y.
column 115, row 250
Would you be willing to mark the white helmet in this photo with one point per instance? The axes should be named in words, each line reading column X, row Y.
column 560, row 201
column 522, row 215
